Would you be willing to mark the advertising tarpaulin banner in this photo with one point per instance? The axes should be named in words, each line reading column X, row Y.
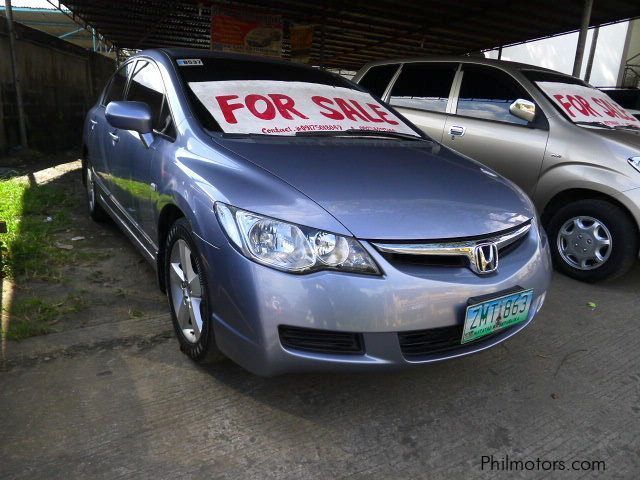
column 285, row 108
column 242, row 31
column 586, row 104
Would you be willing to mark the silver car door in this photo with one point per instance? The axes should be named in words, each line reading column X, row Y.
column 482, row 127
column 421, row 93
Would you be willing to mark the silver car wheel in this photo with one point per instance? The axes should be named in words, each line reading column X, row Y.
column 584, row 243
column 185, row 291
column 91, row 194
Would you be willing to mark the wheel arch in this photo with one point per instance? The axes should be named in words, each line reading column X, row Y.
column 575, row 194
column 168, row 215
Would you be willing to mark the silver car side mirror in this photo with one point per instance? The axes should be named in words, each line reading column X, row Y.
column 523, row 109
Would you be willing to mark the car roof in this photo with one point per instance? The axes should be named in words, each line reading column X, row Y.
column 503, row 64
column 621, row 89
column 202, row 53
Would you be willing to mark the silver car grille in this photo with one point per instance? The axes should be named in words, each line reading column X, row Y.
column 470, row 252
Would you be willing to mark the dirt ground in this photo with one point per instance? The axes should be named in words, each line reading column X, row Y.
column 106, row 280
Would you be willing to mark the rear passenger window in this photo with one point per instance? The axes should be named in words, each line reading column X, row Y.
column 146, row 86
column 423, row 86
column 487, row 93
column 377, row 79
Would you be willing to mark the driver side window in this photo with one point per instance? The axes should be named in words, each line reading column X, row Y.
column 146, row 86
column 115, row 90
column 487, row 93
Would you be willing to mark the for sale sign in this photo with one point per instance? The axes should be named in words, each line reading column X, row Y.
column 586, row 104
column 285, row 108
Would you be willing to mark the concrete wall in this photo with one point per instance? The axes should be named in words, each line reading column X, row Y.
column 60, row 81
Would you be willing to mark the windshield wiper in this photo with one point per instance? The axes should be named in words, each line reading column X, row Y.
column 595, row 124
column 610, row 127
column 244, row 135
column 360, row 133
column 628, row 127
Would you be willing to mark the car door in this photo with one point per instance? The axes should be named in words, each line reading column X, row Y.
column 100, row 146
column 146, row 85
column 481, row 126
column 114, row 168
column 421, row 93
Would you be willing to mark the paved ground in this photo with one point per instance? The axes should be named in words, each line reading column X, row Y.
column 130, row 405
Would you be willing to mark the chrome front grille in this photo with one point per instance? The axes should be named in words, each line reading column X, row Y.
column 456, row 252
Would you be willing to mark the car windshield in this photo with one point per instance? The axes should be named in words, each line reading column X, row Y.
column 254, row 97
column 581, row 103
column 628, row 98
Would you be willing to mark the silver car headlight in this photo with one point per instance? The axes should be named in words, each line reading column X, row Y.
column 634, row 162
column 292, row 248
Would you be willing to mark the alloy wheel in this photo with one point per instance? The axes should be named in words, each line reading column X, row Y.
column 584, row 242
column 185, row 290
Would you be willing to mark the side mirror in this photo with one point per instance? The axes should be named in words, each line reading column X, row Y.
column 134, row 116
column 523, row 109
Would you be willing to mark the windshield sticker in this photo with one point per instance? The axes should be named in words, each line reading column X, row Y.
column 286, row 108
column 189, row 62
column 586, row 104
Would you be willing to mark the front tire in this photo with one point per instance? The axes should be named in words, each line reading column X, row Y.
column 187, row 290
column 593, row 240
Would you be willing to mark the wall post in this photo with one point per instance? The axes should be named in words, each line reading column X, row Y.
column 22, row 124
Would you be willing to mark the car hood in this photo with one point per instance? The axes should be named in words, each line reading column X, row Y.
column 621, row 137
column 392, row 190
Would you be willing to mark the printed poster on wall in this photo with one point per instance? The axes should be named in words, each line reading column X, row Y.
column 242, row 31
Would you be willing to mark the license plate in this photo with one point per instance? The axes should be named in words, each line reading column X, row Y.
column 488, row 317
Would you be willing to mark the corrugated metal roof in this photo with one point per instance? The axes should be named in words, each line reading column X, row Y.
column 356, row 32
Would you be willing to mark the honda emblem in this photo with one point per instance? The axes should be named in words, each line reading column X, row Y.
column 485, row 258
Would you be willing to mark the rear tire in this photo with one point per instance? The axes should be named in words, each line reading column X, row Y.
column 593, row 240
column 96, row 212
column 187, row 291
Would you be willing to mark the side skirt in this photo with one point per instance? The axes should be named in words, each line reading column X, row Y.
column 113, row 208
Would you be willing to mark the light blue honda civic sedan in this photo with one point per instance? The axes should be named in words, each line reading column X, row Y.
column 298, row 223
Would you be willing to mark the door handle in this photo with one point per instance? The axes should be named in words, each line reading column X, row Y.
column 115, row 138
column 457, row 131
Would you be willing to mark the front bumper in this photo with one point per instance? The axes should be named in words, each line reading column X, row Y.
column 250, row 302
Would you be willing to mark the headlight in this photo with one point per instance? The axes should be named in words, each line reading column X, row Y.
column 635, row 162
column 292, row 248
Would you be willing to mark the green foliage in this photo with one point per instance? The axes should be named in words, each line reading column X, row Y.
column 34, row 316
column 33, row 214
